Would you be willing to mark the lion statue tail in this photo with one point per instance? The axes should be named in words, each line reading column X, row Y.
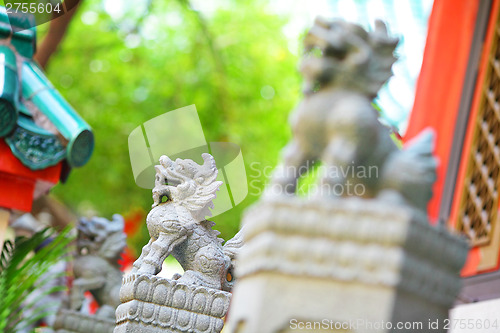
column 233, row 246
column 412, row 171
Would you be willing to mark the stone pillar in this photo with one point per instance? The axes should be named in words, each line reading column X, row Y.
column 152, row 304
column 69, row 321
column 346, row 265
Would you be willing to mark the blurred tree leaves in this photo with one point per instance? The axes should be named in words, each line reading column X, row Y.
column 233, row 64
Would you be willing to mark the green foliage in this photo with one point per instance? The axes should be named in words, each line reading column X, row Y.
column 22, row 269
column 234, row 65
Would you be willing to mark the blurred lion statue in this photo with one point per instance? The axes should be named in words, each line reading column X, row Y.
column 100, row 243
column 336, row 124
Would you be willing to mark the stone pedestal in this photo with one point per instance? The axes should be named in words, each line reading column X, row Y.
column 344, row 265
column 68, row 321
column 154, row 304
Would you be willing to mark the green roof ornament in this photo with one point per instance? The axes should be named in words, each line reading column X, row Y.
column 37, row 89
column 9, row 84
column 38, row 124
column 21, row 27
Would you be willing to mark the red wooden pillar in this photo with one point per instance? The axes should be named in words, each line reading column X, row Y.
column 457, row 96
column 439, row 87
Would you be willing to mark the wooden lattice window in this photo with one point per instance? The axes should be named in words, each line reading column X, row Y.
column 477, row 216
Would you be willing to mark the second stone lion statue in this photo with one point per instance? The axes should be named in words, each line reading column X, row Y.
column 183, row 195
column 100, row 244
column 336, row 124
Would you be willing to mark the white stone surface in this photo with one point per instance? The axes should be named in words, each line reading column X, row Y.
column 347, row 261
column 480, row 317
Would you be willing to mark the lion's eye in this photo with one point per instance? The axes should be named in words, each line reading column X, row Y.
column 229, row 277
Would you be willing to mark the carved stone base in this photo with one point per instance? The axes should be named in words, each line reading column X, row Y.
column 345, row 265
column 152, row 304
column 68, row 321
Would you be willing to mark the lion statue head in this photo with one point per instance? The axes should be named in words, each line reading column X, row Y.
column 186, row 183
column 102, row 237
column 343, row 54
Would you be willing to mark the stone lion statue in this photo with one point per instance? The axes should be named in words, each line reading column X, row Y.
column 183, row 195
column 335, row 124
column 100, row 243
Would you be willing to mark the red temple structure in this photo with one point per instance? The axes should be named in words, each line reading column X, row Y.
column 20, row 184
column 458, row 95
column 41, row 136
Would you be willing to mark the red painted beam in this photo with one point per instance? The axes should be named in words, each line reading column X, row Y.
column 17, row 182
